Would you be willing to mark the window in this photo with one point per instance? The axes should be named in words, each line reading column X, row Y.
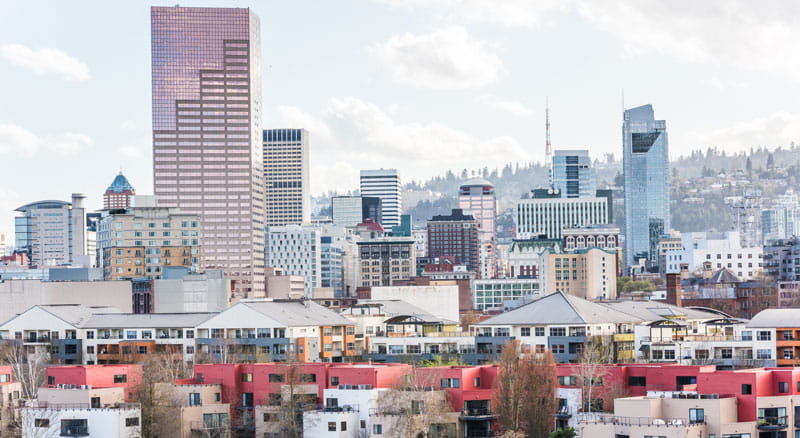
column 557, row 348
column 217, row 396
column 558, row 331
column 450, row 383
column 538, row 331
column 90, row 334
column 417, row 407
column 131, row 334
column 637, row 381
column 783, row 387
column 476, row 382
column 697, row 416
column 273, row 378
column 764, row 336
column 247, row 399
column 246, row 377
column 194, row 398
column 567, row 380
column 747, row 388
column 343, row 426
column 132, row 421
column 41, row 422
column 331, row 426
column 141, row 349
column 120, row 378
column 95, row 402
column 334, row 380
column 331, row 402
column 51, row 380
column 5, row 378
column 377, row 429
column 75, row 427
column 763, row 354
column 189, row 334
column 525, row 331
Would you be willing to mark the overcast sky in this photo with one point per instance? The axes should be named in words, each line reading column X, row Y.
column 420, row 85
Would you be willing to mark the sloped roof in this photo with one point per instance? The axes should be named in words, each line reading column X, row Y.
column 724, row 275
column 394, row 308
column 297, row 313
column 776, row 318
column 653, row 310
column 476, row 182
column 561, row 308
column 76, row 314
column 120, row 184
column 146, row 320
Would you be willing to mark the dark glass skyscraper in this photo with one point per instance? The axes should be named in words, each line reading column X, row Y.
column 207, row 153
column 646, row 167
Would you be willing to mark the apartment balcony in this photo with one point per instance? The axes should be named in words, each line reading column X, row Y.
column 624, row 337
column 564, row 412
column 210, row 430
column 588, row 418
column 33, row 339
column 477, row 414
column 735, row 363
column 772, row 423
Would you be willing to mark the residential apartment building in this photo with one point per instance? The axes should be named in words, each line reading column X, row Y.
column 782, row 259
column 384, row 184
column 586, row 273
column 297, row 250
column 385, row 261
column 118, row 194
column 456, row 235
column 207, row 134
column 53, row 233
column 143, row 240
column 782, row 219
column 476, row 197
column 286, row 177
column 261, row 331
column 722, row 250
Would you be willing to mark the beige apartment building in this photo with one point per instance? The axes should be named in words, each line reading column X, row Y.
column 143, row 240
column 585, row 273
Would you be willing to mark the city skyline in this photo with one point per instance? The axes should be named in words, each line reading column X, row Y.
column 369, row 98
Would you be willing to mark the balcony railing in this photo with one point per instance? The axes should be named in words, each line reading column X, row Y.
column 636, row 421
column 477, row 413
column 772, row 422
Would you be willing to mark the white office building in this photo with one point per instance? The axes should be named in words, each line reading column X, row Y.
column 721, row 250
column 384, row 184
column 286, row 180
column 53, row 232
column 297, row 251
column 550, row 214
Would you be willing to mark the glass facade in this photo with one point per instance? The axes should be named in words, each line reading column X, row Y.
column 573, row 174
column 207, row 152
column 646, row 169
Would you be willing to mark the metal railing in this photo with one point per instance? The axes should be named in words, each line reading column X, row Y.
column 477, row 412
column 635, row 421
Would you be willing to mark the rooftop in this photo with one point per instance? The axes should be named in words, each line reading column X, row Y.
column 120, row 184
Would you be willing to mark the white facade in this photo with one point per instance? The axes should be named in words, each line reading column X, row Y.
column 123, row 422
column 296, row 250
column 421, row 241
column 384, row 184
column 492, row 293
column 286, row 177
column 439, row 301
column 549, row 216
column 193, row 292
column 53, row 232
column 722, row 250
column 349, row 406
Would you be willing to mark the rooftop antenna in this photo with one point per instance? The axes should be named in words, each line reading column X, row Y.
column 548, row 150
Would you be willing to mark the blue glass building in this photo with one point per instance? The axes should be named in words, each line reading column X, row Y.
column 646, row 168
column 573, row 174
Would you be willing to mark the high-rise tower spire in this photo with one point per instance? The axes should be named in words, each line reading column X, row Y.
column 548, row 150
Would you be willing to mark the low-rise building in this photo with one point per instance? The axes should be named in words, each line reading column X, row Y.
column 722, row 250
column 491, row 294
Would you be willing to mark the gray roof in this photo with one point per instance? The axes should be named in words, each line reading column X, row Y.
column 297, row 313
column 399, row 307
column 560, row 308
column 74, row 314
column 776, row 318
column 146, row 320
column 654, row 311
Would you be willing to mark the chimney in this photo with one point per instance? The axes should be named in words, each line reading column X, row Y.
column 674, row 289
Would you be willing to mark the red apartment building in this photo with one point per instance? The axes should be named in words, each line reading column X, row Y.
column 128, row 376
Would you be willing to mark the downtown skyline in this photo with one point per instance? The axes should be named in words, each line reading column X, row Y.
column 414, row 79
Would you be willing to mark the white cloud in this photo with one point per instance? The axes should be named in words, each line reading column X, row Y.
column 507, row 106
column 444, row 59
column 738, row 33
column 510, row 13
column 294, row 117
column 363, row 136
column 780, row 128
column 16, row 139
column 68, row 143
column 127, row 125
column 46, row 61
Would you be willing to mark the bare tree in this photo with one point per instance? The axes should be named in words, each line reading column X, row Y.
column 29, row 367
column 525, row 392
column 292, row 392
column 592, row 369
column 413, row 406
column 155, row 397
